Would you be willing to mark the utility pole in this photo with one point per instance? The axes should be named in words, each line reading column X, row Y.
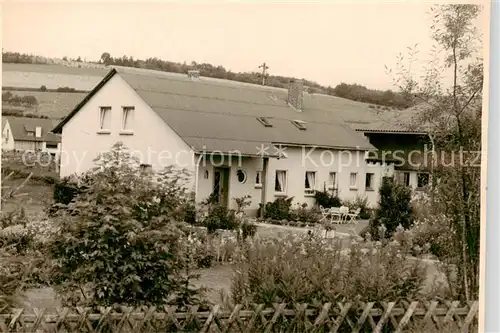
column 264, row 68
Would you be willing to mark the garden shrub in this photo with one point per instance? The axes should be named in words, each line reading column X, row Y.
column 120, row 241
column 394, row 209
column 279, row 209
column 242, row 203
column 190, row 214
column 360, row 202
column 326, row 200
column 307, row 269
column 67, row 188
column 302, row 213
column 248, row 229
column 220, row 218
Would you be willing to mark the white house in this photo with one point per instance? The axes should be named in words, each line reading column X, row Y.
column 29, row 134
column 236, row 139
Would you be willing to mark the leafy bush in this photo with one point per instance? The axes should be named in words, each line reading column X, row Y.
column 304, row 214
column 394, row 209
column 361, row 203
column 248, row 229
column 220, row 218
column 311, row 270
column 190, row 214
column 242, row 203
column 279, row 209
column 119, row 240
column 326, row 200
column 65, row 190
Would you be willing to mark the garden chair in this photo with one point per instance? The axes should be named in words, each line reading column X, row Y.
column 325, row 212
column 352, row 217
column 336, row 215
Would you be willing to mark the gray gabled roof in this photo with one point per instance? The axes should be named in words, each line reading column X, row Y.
column 20, row 126
column 211, row 114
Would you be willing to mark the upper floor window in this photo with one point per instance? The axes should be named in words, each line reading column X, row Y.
column 105, row 118
column 127, row 118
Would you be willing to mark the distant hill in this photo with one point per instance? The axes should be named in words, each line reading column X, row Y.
column 15, row 62
column 54, row 105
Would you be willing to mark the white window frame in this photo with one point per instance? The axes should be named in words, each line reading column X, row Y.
column 332, row 180
column 258, row 174
column 244, row 176
column 102, row 111
column 312, row 188
column 371, row 187
column 127, row 119
column 355, row 186
column 285, row 185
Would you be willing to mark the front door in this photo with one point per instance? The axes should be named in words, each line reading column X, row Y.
column 221, row 186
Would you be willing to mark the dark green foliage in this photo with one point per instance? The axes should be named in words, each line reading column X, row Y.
column 119, row 240
column 248, row 229
column 12, row 99
column 243, row 202
column 220, row 218
column 394, row 208
column 304, row 214
column 65, row 191
column 43, row 88
column 326, row 200
column 190, row 214
column 361, row 202
column 279, row 209
column 357, row 92
column 65, row 89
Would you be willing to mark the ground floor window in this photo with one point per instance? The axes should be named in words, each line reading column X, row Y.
column 353, row 180
column 310, row 182
column 369, row 181
column 403, row 178
column 242, row 176
column 332, row 181
column 258, row 179
column 280, row 181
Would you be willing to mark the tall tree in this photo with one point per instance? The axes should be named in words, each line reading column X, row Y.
column 105, row 57
column 451, row 113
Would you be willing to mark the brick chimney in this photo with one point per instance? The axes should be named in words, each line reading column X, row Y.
column 295, row 94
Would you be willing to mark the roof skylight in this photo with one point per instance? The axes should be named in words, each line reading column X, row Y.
column 264, row 121
column 301, row 125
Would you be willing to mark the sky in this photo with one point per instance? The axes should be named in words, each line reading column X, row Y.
column 328, row 43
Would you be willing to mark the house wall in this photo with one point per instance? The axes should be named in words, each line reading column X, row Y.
column 27, row 145
column 236, row 189
column 324, row 161
column 7, row 138
column 151, row 140
column 296, row 164
column 56, row 151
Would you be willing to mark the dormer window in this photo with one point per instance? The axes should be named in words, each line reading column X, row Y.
column 264, row 121
column 301, row 125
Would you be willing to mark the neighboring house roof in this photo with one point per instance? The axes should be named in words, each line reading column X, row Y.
column 221, row 115
column 20, row 127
